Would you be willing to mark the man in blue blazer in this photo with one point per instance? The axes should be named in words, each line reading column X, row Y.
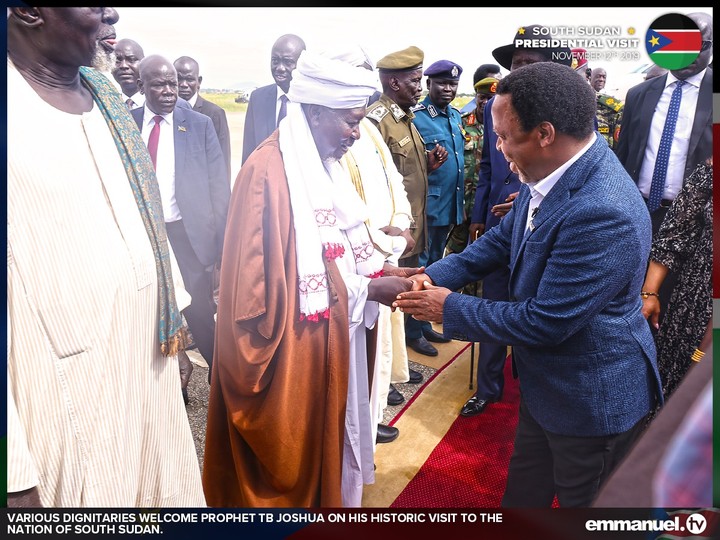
column 496, row 188
column 265, row 105
column 576, row 241
column 194, row 188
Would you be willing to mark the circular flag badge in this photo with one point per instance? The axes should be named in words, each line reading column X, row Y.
column 673, row 41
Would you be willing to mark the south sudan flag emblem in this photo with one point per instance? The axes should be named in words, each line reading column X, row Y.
column 673, row 41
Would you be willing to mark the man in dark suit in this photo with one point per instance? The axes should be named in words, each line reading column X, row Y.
column 128, row 54
column 497, row 187
column 194, row 189
column 189, row 81
column 646, row 107
column 576, row 239
column 265, row 107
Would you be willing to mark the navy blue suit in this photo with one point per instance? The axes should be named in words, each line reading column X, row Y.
column 260, row 119
column 495, row 183
column 202, row 192
column 582, row 349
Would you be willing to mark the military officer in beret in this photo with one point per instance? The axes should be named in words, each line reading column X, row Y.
column 472, row 122
column 401, row 76
column 439, row 123
column 609, row 109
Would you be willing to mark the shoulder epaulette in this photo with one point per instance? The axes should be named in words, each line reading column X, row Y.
column 377, row 113
column 610, row 102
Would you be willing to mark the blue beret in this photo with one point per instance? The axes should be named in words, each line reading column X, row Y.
column 444, row 69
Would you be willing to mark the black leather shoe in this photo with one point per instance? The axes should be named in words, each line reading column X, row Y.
column 435, row 337
column 415, row 377
column 386, row 434
column 474, row 406
column 421, row 345
column 394, row 397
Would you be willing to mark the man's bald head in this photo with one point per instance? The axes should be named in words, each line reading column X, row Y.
column 158, row 82
column 189, row 79
column 128, row 54
column 283, row 59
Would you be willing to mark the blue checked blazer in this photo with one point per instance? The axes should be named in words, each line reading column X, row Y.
column 582, row 349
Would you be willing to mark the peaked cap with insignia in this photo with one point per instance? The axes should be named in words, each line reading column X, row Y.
column 444, row 69
column 405, row 60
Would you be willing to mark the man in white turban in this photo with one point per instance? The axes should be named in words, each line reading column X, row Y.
column 289, row 418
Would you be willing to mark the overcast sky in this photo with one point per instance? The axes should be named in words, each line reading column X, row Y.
column 233, row 45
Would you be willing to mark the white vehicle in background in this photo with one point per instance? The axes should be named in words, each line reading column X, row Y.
column 618, row 86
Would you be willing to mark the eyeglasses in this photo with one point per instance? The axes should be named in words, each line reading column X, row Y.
column 706, row 45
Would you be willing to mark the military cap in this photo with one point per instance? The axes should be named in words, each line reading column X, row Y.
column 404, row 60
column 559, row 55
column 444, row 69
column 488, row 85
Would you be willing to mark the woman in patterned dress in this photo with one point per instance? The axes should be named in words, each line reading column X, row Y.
column 683, row 245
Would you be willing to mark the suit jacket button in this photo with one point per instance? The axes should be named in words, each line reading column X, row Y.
column 507, row 181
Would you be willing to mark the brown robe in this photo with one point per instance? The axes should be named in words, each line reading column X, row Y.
column 278, row 393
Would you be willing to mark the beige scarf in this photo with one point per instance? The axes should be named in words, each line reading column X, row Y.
column 325, row 206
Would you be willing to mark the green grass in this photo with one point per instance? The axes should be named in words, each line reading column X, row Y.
column 226, row 101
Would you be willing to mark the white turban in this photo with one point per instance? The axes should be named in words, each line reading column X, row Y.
column 320, row 80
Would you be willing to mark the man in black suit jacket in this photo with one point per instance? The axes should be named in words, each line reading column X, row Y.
column 189, row 81
column 646, row 106
column 265, row 102
column 194, row 189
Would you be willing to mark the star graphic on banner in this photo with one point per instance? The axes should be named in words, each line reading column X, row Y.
column 521, row 31
column 654, row 41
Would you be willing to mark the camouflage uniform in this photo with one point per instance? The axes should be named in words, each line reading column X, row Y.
column 458, row 237
column 609, row 115
column 473, row 132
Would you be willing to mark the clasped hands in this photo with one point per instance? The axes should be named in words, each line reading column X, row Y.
column 424, row 301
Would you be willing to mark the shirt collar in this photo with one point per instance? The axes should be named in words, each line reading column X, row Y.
column 193, row 100
column 149, row 115
column 695, row 80
column 543, row 187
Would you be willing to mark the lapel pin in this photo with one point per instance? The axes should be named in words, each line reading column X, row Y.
column 181, row 128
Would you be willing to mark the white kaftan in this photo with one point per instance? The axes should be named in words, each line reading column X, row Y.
column 100, row 417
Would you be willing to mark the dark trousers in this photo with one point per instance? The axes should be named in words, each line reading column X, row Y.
column 491, row 359
column 198, row 280
column 545, row 464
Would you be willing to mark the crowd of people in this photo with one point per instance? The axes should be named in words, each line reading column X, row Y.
column 569, row 226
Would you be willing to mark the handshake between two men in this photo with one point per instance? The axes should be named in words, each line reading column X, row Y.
column 411, row 291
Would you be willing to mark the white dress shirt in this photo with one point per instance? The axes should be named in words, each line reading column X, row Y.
column 165, row 168
column 541, row 188
column 681, row 141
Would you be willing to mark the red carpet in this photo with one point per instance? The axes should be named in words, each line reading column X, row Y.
column 468, row 468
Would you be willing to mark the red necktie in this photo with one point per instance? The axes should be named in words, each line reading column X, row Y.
column 283, row 108
column 153, row 140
